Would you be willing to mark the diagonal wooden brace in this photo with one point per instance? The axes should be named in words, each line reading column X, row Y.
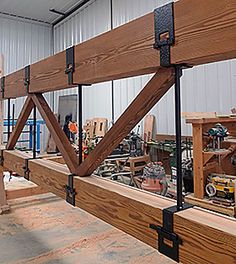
column 58, row 135
column 142, row 104
column 23, row 117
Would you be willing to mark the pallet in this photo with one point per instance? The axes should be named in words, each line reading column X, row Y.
column 208, row 204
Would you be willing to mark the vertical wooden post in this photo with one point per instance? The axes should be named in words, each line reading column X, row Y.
column 199, row 181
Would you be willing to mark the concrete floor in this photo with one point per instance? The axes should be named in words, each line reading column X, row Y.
column 44, row 229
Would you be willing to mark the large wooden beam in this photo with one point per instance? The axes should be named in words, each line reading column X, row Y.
column 56, row 131
column 205, row 32
column 21, row 121
column 142, row 104
column 207, row 237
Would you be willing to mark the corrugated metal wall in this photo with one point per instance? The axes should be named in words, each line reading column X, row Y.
column 204, row 88
column 23, row 43
column 87, row 23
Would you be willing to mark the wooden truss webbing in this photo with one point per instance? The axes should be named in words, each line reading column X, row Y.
column 53, row 126
column 142, row 104
column 21, row 121
column 205, row 31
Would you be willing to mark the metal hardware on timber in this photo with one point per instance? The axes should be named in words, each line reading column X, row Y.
column 3, row 86
column 70, row 64
column 1, row 157
column 164, row 38
column 70, row 191
column 164, row 32
column 26, row 167
column 27, row 78
column 166, row 232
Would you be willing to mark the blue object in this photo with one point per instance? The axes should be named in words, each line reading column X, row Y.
column 30, row 123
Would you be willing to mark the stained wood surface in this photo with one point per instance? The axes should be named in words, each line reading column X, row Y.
column 205, row 32
column 62, row 142
column 207, row 204
column 24, row 192
column 3, row 199
column 21, row 121
column 142, row 104
column 199, row 179
column 207, row 237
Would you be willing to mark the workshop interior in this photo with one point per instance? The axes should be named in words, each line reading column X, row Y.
column 118, row 131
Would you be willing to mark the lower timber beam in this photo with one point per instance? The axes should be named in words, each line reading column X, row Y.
column 207, row 237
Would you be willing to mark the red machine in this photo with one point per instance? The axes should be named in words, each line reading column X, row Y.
column 154, row 178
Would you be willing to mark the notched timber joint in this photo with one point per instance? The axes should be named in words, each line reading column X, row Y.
column 27, row 78
column 3, row 86
column 166, row 233
column 70, row 190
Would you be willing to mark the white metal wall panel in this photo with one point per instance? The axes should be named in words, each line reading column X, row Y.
column 87, row 23
column 23, row 43
column 204, row 88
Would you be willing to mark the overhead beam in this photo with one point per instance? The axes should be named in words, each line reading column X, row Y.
column 58, row 135
column 142, row 104
column 205, row 32
column 207, row 237
column 21, row 121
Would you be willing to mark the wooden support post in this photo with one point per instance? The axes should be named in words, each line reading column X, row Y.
column 56, row 131
column 3, row 199
column 199, row 181
column 142, row 104
column 21, row 121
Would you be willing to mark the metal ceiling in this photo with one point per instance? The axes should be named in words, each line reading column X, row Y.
column 38, row 10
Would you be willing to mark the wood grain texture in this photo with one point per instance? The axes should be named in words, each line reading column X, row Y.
column 24, row 192
column 3, row 198
column 207, row 237
column 199, row 179
column 62, row 142
column 128, row 50
column 14, row 85
column 21, row 121
column 142, row 104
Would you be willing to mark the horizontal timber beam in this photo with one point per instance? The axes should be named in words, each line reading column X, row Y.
column 207, row 237
column 205, row 32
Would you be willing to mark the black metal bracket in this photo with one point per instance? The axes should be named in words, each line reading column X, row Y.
column 164, row 32
column 27, row 78
column 166, row 233
column 70, row 190
column 70, row 64
column 1, row 157
column 3, row 86
column 26, row 167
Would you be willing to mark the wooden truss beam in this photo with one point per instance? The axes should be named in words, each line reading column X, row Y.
column 207, row 237
column 205, row 32
column 142, row 104
column 58, row 135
